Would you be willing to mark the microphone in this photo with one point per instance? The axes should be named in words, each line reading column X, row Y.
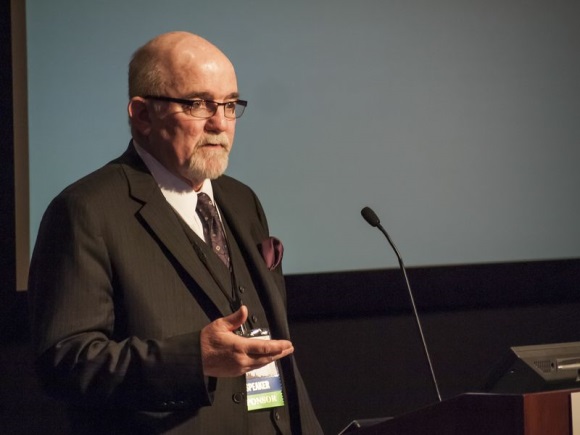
column 373, row 220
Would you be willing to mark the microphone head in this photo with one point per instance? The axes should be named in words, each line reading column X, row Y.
column 370, row 216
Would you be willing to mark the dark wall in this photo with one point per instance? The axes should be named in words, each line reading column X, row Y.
column 374, row 367
column 7, row 199
column 359, row 348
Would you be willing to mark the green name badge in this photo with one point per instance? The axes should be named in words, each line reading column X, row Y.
column 263, row 385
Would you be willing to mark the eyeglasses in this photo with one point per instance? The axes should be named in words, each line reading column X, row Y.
column 205, row 109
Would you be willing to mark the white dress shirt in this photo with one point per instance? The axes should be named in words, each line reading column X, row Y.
column 179, row 194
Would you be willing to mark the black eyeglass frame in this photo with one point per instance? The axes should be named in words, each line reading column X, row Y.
column 190, row 103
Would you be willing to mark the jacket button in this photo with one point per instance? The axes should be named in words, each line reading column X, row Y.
column 238, row 397
column 277, row 415
column 254, row 318
column 241, row 289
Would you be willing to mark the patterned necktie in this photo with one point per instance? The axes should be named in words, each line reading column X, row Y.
column 213, row 231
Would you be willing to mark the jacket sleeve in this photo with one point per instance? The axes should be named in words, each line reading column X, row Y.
column 75, row 318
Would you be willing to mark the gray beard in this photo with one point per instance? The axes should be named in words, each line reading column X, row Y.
column 206, row 164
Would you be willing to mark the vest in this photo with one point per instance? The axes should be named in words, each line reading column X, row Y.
column 238, row 284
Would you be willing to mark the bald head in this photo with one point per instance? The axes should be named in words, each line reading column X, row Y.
column 164, row 75
column 165, row 63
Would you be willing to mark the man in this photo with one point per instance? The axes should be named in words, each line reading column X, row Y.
column 143, row 294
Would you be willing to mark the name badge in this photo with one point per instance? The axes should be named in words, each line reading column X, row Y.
column 263, row 385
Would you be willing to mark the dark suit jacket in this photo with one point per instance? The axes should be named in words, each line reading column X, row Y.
column 119, row 295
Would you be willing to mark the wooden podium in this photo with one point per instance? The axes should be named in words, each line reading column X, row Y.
column 545, row 413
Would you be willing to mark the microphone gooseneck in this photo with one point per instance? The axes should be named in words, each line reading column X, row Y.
column 373, row 220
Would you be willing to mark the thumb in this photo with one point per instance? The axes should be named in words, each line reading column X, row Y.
column 237, row 319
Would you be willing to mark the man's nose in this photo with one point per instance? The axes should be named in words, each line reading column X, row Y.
column 218, row 122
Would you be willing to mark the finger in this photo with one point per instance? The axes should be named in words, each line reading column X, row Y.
column 261, row 360
column 235, row 320
column 269, row 348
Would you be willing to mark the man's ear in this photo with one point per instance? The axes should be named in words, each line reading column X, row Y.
column 139, row 115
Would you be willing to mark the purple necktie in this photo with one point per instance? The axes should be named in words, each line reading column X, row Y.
column 213, row 231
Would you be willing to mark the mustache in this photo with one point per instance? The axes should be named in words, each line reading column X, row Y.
column 215, row 139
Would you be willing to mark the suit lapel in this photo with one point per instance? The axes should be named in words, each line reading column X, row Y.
column 157, row 214
column 266, row 285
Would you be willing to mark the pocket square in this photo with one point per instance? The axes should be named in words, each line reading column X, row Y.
column 272, row 251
